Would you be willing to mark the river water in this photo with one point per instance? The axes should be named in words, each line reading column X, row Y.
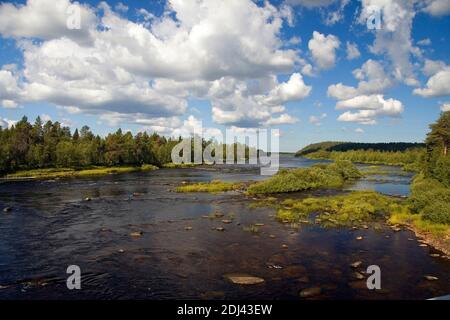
column 181, row 255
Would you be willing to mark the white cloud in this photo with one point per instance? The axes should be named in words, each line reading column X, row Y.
column 323, row 49
column 437, row 7
column 317, row 120
column 45, row 19
column 241, row 104
column 369, row 108
column 424, row 42
column 352, row 51
column 45, row 117
column 372, row 79
column 437, row 85
column 445, row 107
column 432, row 67
column 6, row 123
column 121, row 7
column 9, row 104
column 120, row 69
column 394, row 37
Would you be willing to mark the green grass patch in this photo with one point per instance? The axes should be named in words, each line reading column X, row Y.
column 69, row 172
column 351, row 209
column 332, row 175
column 214, row 186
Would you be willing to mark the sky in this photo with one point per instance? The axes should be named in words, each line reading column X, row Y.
column 369, row 70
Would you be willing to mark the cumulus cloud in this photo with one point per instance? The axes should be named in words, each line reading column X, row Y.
column 237, row 103
column 437, row 7
column 394, row 37
column 121, row 69
column 369, row 108
column 323, row 49
column 437, row 85
column 352, row 51
column 45, row 19
column 372, row 79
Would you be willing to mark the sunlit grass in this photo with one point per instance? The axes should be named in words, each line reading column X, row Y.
column 214, row 186
column 69, row 172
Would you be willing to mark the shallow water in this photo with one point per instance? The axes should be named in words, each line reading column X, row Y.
column 51, row 227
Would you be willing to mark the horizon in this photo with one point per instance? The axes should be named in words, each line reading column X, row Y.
column 317, row 71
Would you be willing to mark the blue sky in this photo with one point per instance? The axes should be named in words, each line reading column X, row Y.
column 254, row 65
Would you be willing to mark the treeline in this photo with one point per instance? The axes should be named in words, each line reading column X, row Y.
column 331, row 146
column 410, row 159
column 27, row 146
column 430, row 191
column 47, row 145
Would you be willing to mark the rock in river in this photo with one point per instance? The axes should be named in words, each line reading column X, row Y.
column 310, row 292
column 243, row 279
column 356, row 264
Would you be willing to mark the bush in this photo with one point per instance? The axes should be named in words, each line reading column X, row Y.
column 320, row 176
column 437, row 212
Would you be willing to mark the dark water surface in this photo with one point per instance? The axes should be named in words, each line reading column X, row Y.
column 181, row 255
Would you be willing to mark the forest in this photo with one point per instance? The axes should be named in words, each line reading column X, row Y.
column 50, row 145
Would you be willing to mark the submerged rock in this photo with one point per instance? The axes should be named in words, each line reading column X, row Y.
column 356, row 264
column 243, row 279
column 358, row 275
column 136, row 234
column 310, row 292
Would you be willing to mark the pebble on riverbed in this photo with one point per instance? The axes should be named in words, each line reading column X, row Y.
column 310, row 292
column 243, row 279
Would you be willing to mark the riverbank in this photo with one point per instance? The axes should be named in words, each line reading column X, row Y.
column 52, row 173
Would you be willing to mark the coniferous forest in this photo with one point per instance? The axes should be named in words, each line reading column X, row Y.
column 48, row 145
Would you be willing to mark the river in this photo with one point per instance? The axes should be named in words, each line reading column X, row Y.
column 181, row 255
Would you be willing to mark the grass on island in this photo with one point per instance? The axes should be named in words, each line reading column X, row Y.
column 350, row 209
column 70, row 172
column 172, row 165
column 333, row 175
column 214, row 186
